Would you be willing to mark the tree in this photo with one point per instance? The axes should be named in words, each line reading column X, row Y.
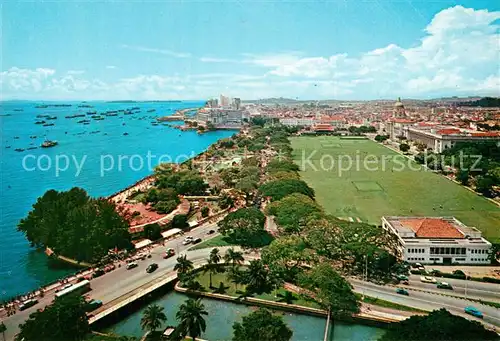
column 233, row 257
column 183, row 265
column 294, row 211
column 281, row 165
column 64, row 320
column 236, row 276
column 463, row 177
column 285, row 255
column 180, row 221
column 288, row 297
column 331, row 290
column 213, row 265
column 205, row 211
column 244, row 226
column 257, row 278
column 190, row 317
column 404, row 147
column 381, row 138
column 278, row 189
column 164, row 207
column 438, row 325
column 152, row 231
column 153, row 317
column 74, row 225
column 484, row 185
column 263, row 325
column 3, row 329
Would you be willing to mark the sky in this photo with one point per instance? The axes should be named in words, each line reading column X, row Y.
column 340, row 49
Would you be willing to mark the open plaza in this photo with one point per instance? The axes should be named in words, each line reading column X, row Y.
column 361, row 180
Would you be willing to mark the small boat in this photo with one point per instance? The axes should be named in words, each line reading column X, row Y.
column 83, row 121
column 16, row 137
column 7, row 147
column 18, row 109
column 48, row 124
column 52, row 117
column 33, row 137
column 40, row 122
column 151, row 110
column 48, row 144
column 19, row 150
column 31, row 148
column 125, row 134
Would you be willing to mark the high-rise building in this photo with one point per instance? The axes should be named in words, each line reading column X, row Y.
column 224, row 101
column 236, row 103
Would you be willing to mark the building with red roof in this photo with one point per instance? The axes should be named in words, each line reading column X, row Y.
column 438, row 240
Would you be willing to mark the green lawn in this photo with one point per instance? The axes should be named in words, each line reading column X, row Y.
column 218, row 241
column 388, row 304
column 232, row 290
column 391, row 188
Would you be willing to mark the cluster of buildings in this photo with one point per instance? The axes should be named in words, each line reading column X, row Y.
column 224, row 112
column 438, row 240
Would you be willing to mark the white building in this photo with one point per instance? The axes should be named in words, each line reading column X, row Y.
column 298, row 121
column 438, row 240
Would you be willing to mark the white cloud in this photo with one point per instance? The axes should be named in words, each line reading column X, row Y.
column 111, row 67
column 218, row 60
column 159, row 51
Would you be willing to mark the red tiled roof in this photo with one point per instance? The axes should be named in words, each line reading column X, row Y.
column 323, row 126
column 402, row 120
column 448, row 131
column 432, row 228
column 486, row 133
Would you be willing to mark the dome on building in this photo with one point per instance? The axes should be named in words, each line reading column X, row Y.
column 398, row 103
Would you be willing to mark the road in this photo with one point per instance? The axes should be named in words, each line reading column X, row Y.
column 428, row 301
column 121, row 281
column 476, row 290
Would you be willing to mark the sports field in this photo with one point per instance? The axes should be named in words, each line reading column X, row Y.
column 361, row 180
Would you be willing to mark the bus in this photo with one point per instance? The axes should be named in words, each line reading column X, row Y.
column 79, row 288
column 27, row 304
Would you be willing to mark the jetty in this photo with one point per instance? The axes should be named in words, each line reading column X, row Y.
column 180, row 115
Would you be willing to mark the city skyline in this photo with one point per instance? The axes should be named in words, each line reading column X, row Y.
column 339, row 50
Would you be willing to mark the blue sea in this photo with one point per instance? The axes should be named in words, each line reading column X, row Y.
column 101, row 157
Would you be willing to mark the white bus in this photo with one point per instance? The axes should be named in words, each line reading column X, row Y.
column 78, row 289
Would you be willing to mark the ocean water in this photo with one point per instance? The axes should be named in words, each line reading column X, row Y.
column 97, row 157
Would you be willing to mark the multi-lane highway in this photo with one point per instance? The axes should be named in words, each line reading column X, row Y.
column 122, row 281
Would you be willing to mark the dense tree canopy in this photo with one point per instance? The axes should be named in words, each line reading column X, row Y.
column 244, row 227
column 294, row 211
column 75, row 225
column 278, row 189
column 281, row 165
column 331, row 290
column 261, row 325
column 64, row 320
column 185, row 182
column 285, row 255
column 439, row 325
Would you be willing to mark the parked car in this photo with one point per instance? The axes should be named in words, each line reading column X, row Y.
column 402, row 292
column 427, row 279
column 187, row 240
column 444, row 285
column 169, row 253
column 402, row 277
column 211, row 232
column 197, row 240
column 473, row 311
column 93, row 305
column 405, row 282
column 151, row 268
column 64, row 287
column 98, row 273
column 132, row 265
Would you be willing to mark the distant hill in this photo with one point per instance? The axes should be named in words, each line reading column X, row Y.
column 273, row 100
column 485, row 102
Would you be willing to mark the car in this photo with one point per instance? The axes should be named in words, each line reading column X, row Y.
column 427, row 279
column 444, row 285
column 402, row 277
column 151, row 268
column 211, row 232
column 132, row 265
column 187, row 240
column 93, row 305
column 473, row 311
column 98, row 273
column 402, row 291
column 64, row 287
column 197, row 240
column 169, row 253
column 405, row 282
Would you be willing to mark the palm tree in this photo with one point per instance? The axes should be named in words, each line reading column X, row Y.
column 153, row 317
column 190, row 317
column 183, row 265
column 213, row 265
column 233, row 257
column 236, row 276
column 3, row 329
column 257, row 278
column 288, row 297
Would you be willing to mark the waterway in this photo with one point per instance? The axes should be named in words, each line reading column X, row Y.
column 95, row 147
column 222, row 316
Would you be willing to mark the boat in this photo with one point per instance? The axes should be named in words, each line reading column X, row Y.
column 7, row 147
column 52, row 117
column 83, row 121
column 98, row 118
column 48, row 124
column 31, row 148
column 151, row 110
column 19, row 150
column 39, row 122
column 18, row 109
column 33, row 137
column 125, row 134
column 48, row 144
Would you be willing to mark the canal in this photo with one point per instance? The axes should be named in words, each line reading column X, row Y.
column 223, row 314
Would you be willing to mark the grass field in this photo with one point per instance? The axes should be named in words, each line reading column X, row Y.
column 381, row 182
